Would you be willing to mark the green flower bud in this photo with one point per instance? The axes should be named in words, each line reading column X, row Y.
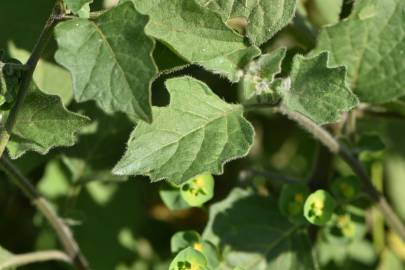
column 198, row 189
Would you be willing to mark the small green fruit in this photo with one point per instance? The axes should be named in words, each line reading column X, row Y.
column 319, row 207
column 198, row 189
column 189, row 259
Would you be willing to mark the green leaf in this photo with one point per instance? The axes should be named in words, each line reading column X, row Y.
column 189, row 259
column 197, row 34
column 324, row 12
column 319, row 207
column 110, row 60
column 197, row 133
column 316, row 90
column 198, row 190
column 43, row 123
column 256, row 235
column 260, row 19
column 80, row 7
column 370, row 43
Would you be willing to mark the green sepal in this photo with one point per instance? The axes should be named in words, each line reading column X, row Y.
column 346, row 188
column 291, row 201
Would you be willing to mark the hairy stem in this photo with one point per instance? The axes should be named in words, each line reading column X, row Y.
column 335, row 147
column 30, row 66
column 35, row 257
column 63, row 232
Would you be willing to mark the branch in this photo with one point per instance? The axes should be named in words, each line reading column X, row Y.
column 335, row 147
column 35, row 257
column 30, row 66
column 63, row 232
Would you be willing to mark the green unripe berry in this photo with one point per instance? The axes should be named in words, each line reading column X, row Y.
column 319, row 207
column 189, row 259
column 198, row 189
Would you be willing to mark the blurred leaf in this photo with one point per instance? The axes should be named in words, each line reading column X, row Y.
column 360, row 251
column 4, row 255
column 323, row 12
column 273, row 242
column 88, row 160
column 55, row 182
column 395, row 170
column 49, row 77
column 390, row 262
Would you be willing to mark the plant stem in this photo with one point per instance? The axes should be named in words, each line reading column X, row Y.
column 35, row 257
column 335, row 147
column 63, row 232
column 30, row 66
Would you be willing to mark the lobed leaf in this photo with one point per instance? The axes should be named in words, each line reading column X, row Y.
column 197, row 133
column 197, row 34
column 371, row 44
column 260, row 19
column 110, row 60
column 43, row 123
column 318, row 91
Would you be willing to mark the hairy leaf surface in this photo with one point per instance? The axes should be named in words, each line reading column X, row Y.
column 371, row 44
column 110, row 60
column 318, row 91
column 43, row 123
column 197, row 34
column 261, row 19
column 198, row 132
